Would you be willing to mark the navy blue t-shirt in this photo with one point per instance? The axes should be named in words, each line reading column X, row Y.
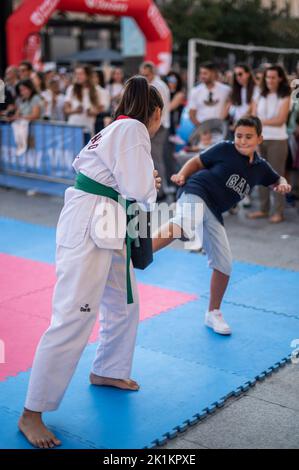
column 228, row 177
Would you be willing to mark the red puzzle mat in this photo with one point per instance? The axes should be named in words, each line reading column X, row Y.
column 26, row 289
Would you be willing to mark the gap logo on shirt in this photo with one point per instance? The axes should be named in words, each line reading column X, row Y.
column 239, row 185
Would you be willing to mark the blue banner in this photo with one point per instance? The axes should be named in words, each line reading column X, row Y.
column 51, row 149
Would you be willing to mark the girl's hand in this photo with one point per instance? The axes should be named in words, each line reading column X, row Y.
column 178, row 179
column 158, row 180
column 283, row 188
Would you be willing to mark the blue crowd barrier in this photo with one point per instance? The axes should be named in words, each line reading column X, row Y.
column 46, row 165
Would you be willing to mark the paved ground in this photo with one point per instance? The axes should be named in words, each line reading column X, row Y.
column 267, row 416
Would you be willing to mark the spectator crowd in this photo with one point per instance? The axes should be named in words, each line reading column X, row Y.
column 88, row 97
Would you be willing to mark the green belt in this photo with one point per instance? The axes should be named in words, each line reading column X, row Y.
column 90, row 186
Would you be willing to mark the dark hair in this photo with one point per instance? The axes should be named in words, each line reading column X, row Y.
column 209, row 66
column 284, row 88
column 251, row 121
column 101, row 78
column 258, row 70
column 27, row 64
column 148, row 65
column 28, row 84
column 236, row 90
column 179, row 83
column 139, row 100
column 41, row 77
column 78, row 88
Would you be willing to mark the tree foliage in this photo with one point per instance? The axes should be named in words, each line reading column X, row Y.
column 235, row 21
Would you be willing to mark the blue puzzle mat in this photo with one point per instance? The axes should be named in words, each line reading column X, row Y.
column 27, row 240
column 172, row 391
column 185, row 370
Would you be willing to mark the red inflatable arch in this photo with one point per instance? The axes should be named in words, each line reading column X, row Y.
column 32, row 15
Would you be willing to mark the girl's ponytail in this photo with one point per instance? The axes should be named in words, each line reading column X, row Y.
column 139, row 100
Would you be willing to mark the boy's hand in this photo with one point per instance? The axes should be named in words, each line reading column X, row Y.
column 283, row 188
column 158, row 180
column 178, row 179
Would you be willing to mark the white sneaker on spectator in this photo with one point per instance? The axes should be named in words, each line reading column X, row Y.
column 215, row 320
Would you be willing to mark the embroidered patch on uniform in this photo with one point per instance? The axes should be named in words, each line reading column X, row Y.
column 86, row 308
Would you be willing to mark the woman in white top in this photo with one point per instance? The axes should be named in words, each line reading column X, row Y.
column 56, row 101
column 103, row 118
column 116, row 86
column 244, row 92
column 38, row 79
column 91, row 261
column 83, row 100
column 273, row 107
column 98, row 79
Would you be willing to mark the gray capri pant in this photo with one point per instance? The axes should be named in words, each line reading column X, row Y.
column 194, row 217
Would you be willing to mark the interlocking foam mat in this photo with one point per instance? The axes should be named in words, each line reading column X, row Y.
column 184, row 369
column 25, row 308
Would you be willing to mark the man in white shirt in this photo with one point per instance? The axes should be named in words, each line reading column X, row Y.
column 209, row 99
column 148, row 70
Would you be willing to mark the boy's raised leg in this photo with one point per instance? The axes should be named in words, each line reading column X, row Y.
column 165, row 235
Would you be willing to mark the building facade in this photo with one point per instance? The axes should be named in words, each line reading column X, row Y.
column 293, row 6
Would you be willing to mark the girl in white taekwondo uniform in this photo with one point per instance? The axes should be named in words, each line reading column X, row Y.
column 92, row 270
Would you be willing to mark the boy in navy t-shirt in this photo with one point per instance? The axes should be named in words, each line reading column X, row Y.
column 215, row 181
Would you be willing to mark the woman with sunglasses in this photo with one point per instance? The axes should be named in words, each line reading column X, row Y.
column 178, row 99
column 176, row 106
column 244, row 92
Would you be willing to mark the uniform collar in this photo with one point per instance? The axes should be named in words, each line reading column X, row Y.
column 256, row 158
column 122, row 116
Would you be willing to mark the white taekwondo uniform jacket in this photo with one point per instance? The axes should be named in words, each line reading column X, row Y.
column 119, row 157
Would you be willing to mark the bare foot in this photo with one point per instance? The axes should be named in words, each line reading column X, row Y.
column 124, row 384
column 257, row 215
column 33, row 428
column 276, row 219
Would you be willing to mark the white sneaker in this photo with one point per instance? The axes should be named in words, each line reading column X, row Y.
column 215, row 320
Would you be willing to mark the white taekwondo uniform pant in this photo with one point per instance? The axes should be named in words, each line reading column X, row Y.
column 87, row 277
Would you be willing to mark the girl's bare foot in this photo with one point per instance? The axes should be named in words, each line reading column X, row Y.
column 33, row 428
column 124, row 384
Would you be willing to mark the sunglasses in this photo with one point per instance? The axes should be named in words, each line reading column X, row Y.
column 171, row 79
